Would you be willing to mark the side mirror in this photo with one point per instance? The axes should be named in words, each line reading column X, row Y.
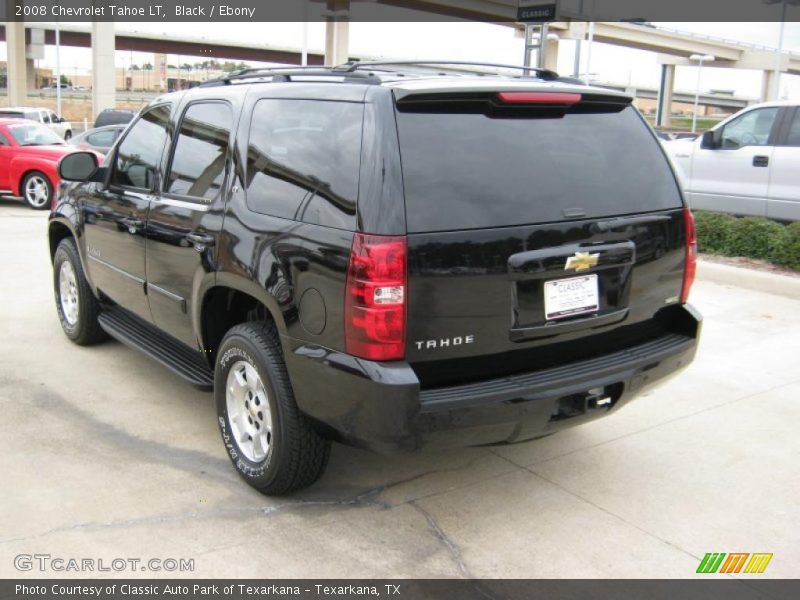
column 78, row 166
column 711, row 139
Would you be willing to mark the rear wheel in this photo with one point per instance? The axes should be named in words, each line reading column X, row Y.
column 77, row 306
column 37, row 190
column 269, row 441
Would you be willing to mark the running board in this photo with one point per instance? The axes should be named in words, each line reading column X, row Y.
column 178, row 358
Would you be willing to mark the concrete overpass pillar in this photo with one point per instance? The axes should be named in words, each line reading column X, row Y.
column 665, row 90
column 30, row 74
column 337, row 32
column 769, row 85
column 103, row 72
column 551, row 55
column 17, row 67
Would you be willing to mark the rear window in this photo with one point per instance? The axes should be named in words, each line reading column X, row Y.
column 114, row 117
column 467, row 171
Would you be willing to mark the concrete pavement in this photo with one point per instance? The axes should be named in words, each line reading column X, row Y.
column 104, row 454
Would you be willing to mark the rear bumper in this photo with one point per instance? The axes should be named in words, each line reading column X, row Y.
column 380, row 405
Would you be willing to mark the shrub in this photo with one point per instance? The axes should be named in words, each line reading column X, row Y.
column 755, row 237
column 790, row 256
column 713, row 231
column 749, row 237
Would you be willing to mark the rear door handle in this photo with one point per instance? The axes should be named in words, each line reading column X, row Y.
column 200, row 240
column 761, row 161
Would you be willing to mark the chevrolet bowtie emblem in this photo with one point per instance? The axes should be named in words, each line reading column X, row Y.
column 581, row 261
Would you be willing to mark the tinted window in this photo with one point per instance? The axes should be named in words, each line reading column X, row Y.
column 3, row 140
column 463, row 171
column 140, row 152
column 11, row 115
column 793, row 136
column 102, row 138
column 198, row 163
column 303, row 160
column 113, row 117
column 45, row 117
column 751, row 129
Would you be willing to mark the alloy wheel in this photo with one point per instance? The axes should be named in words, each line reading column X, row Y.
column 68, row 292
column 36, row 191
column 249, row 411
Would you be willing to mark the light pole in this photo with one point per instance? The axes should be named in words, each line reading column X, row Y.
column 700, row 58
column 304, row 51
column 58, row 69
column 589, row 50
column 779, row 51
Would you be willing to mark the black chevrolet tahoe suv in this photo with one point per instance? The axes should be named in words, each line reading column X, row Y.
column 387, row 255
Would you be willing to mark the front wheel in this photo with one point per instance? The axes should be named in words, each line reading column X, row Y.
column 77, row 307
column 37, row 190
column 269, row 441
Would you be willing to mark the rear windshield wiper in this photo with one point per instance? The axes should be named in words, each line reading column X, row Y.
column 621, row 222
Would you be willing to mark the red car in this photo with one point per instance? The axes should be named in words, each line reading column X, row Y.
column 29, row 155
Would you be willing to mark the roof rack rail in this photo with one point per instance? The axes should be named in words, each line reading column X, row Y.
column 352, row 66
column 281, row 74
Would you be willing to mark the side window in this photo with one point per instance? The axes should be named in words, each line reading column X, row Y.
column 198, row 163
column 793, row 136
column 140, row 152
column 33, row 116
column 102, row 138
column 45, row 117
column 3, row 140
column 751, row 129
column 303, row 160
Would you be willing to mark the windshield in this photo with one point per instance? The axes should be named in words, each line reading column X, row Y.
column 34, row 135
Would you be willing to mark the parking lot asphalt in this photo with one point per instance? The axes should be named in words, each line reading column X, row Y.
column 104, row 454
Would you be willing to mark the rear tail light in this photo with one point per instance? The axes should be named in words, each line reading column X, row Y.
column 375, row 299
column 691, row 255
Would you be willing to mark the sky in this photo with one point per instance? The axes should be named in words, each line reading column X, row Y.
column 474, row 41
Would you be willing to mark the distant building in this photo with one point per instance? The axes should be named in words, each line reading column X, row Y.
column 38, row 77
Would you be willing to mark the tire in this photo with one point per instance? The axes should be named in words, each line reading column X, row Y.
column 37, row 190
column 67, row 135
column 283, row 453
column 77, row 306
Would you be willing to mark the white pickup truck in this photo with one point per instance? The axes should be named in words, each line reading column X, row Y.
column 749, row 164
column 45, row 116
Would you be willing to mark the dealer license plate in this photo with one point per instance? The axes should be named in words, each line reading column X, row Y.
column 573, row 296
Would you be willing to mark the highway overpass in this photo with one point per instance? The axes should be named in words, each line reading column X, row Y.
column 673, row 47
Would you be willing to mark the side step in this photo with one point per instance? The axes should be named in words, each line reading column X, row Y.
column 178, row 358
